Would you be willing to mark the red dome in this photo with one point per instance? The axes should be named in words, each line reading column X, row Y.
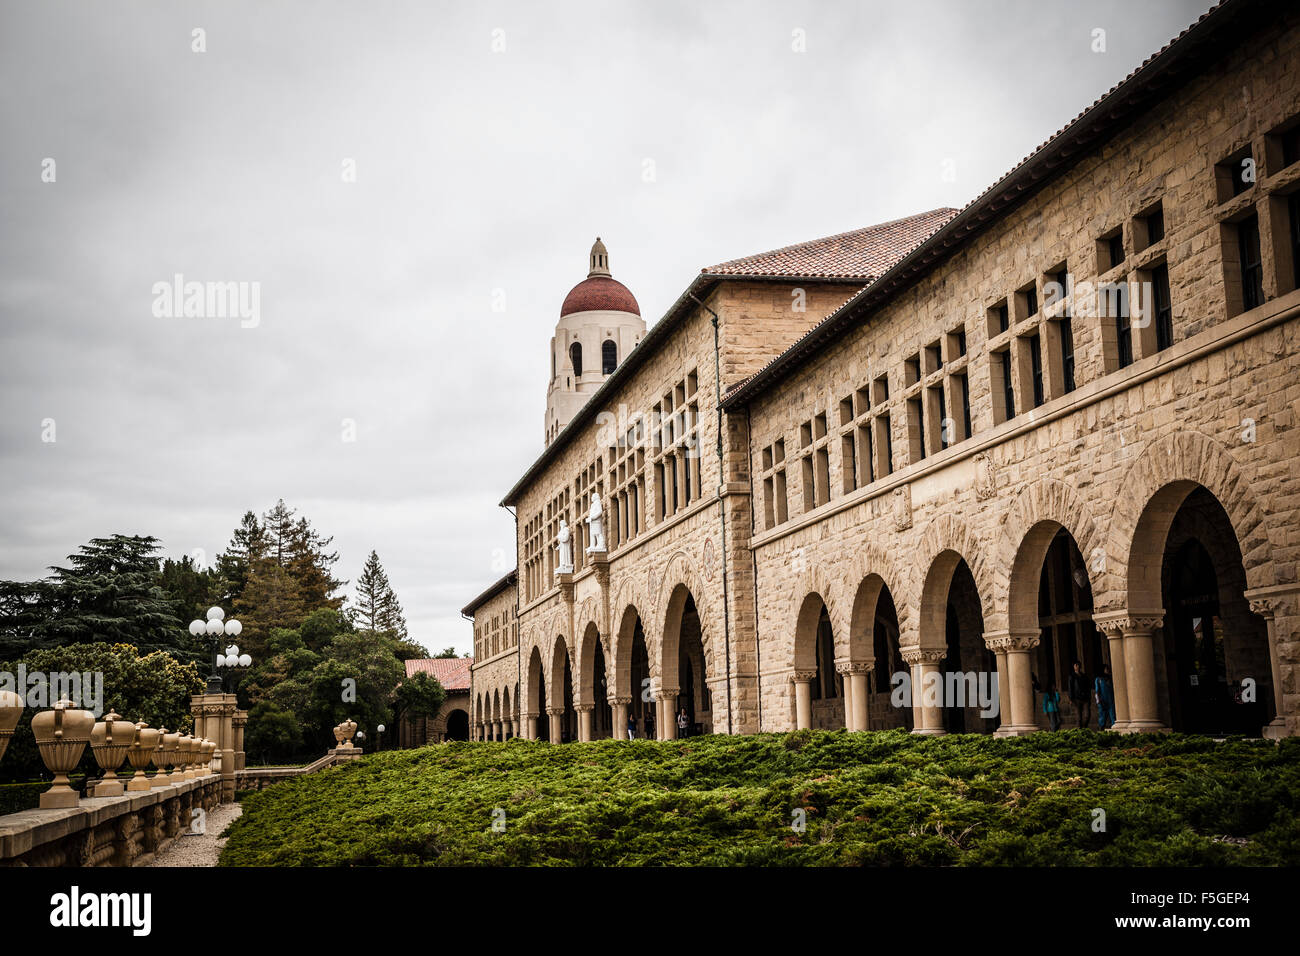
column 599, row 293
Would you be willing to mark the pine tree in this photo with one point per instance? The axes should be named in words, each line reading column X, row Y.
column 376, row 606
column 112, row 591
column 288, row 576
column 234, row 564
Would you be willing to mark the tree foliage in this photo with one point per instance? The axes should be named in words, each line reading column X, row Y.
column 376, row 607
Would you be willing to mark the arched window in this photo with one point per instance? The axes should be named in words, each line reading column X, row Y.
column 575, row 355
column 608, row 357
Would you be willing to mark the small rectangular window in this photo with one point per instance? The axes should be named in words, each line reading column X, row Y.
column 1031, row 301
column 1123, row 332
column 848, row 464
column 1252, row 263
column 962, row 388
column 915, row 430
column 884, row 442
column 1067, row 354
column 999, row 319
column 1293, row 210
column 1036, row 368
column 912, row 370
column 1164, row 317
column 1114, row 244
column 1235, row 174
column 881, row 389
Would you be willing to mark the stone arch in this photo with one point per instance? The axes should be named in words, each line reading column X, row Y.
column 534, row 683
column 679, row 580
column 815, row 581
column 506, row 712
column 584, row 664
column 621, row 644
column 555, row 684
column 870, row 573
column 588, row 614
column 807, row 618
column 947, row 542
column 1150, row 494
column 1028, row 529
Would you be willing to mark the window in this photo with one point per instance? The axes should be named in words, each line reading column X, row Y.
column 1290, row 143
column 911, row 370
column 1110, row 250
column 1123, row 331
column 575, row 356
column 999, row 319
column 677, row 448
column 1066, row 333
column 1164, row 317
column 961, row 390
column 915, row 430
column 1004, row 404
column 1035, row 367
column 815, row 462
column 775, row 508
column 626, row 470
column 933, row 358
column 608, row 357
column 1030, row 294
column 1235, row 175
column 956, row 343
column 1150, row 227
column 1252, row 264
column 1293, row 208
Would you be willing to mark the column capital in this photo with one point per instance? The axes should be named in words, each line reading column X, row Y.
column 855, row 667
column 584, row 708
column 922, row 655
column 802, row 677
column 1018, row 639
column 1126, row 622
column 666, row 693
column 555, row 711
column 1274, row 600
column 620, row 699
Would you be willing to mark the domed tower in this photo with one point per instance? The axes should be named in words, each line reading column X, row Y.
column 600, row 322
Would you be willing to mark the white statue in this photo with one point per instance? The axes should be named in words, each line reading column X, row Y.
column 596, row 525
column 566, row 549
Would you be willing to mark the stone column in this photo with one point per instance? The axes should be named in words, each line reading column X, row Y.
column 530, row 725
column 239, row 720
column 802, row 681
column 1140, row 670
column 927, row 717
column 857, row 692
column 557, row 727
column 619, row 706
column 1270, row 603
column 584, row 722
column 668, row 714
column 1016, row 671
column 1113, row 627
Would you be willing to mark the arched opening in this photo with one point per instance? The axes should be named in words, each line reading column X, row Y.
column 495, row 723
column 457, row 725
column 642, row 708
column 602, row 717
column 683, row 665
column 507, row 715
column 874, row 636
column 952, row 624
column 1071, row 653
column 1213, row 671
column 575, row 357
column 608, row 357
column 815, row 655
column 537, row 694
column 562, row 692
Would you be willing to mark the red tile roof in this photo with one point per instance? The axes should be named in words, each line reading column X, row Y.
column 858, row 254
column 451, row 672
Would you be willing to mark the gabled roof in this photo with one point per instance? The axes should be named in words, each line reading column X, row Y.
column 452, row 672
column 496, row 588
column 859, row 254
column 848, row 257
column 1185, row 55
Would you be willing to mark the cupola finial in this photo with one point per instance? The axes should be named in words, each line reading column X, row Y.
column 599, row 260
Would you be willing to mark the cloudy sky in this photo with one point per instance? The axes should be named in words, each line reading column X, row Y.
column 491, row 142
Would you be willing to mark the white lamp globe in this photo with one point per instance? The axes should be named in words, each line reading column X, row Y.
column 214, row 627
column 233, row 627
column 245, row 660
column 215, row 614
column 197, row 627
column 232, row 650
column 221, row 660
column 380, row 728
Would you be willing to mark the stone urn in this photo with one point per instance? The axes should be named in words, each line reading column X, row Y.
column 11, row 708
column 184, row 757
column 110, row 739
column 209, row 748
column 338, row 735
column 61, row 735
column 349, row 727
column 140, row 754
column 165, row 758
column 196, row 751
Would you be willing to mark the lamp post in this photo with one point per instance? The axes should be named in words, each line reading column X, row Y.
column 379, row 742
column 215, row 627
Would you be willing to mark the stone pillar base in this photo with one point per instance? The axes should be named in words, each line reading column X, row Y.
column 1015, row 730
column 929, row 732
column 1276, row 729
column 139, row 782
column 109, row 788
column 61, row 799
column 1144, row 727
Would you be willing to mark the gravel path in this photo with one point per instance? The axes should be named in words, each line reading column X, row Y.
column 200, row 849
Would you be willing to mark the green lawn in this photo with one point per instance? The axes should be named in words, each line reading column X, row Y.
column 874, row 798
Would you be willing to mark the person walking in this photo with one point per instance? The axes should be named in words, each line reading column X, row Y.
column 1052, row 706
column 1103, row 689
column 631, row 727
column 683, row 724
column 1080, row 691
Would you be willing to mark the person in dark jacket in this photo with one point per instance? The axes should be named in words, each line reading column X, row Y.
column 1104, row 694
column 1080, row 691
column 1052, row 706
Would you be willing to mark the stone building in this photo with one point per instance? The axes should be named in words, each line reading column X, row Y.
column 453, row 717
column 955, row 454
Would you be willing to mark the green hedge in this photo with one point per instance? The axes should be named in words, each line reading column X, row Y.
column 16, row 797
column 877, row 798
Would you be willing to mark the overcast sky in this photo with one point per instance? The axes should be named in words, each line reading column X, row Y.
column 491, row 143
